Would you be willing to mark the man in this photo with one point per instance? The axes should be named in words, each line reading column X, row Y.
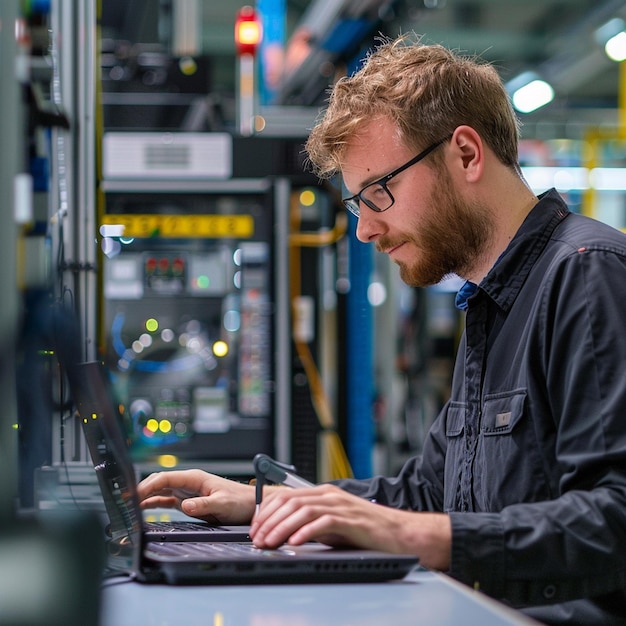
column 521, row 488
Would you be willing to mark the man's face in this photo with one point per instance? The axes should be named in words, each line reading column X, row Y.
column 430, row 231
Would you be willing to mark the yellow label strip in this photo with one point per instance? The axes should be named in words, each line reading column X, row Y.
column 183, row 226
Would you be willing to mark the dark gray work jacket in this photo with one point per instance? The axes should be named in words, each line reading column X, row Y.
column 529, row 454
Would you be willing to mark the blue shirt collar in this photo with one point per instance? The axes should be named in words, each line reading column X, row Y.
column 467, row 290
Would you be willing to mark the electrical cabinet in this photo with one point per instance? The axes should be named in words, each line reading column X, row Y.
column 194, row 317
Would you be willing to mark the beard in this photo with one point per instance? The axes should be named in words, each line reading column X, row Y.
column 450, row 238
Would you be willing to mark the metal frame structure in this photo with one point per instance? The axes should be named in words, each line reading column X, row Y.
column 11, row 127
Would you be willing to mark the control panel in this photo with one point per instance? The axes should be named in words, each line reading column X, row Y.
column 189, row 325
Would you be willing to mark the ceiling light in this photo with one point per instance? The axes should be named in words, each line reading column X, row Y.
column 615, row 47
column 529, row 92
column 612, row 36
column 532, row 96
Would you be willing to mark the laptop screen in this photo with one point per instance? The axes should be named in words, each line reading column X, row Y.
column 111, row 461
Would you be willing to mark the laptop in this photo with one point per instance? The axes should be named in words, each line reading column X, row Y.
column 134, row 551
column 102, row 426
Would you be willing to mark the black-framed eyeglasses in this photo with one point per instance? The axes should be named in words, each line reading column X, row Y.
column 376, row 195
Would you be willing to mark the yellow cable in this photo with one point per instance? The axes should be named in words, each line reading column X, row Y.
column 333, row 452
column 321, row 238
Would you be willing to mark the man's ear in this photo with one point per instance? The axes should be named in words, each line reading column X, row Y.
column 468, row 147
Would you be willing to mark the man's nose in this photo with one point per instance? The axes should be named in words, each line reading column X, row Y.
column 365, row 226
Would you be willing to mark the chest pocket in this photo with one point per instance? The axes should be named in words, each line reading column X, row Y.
column 502, row 412
column 507, row 467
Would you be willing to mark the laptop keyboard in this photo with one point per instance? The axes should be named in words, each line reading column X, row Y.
column 188, row 549
column 165, row 527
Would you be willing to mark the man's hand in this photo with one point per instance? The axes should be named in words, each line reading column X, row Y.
column 335, row 517
column 199, row 494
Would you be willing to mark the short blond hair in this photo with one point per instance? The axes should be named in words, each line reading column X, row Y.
column 427, row 91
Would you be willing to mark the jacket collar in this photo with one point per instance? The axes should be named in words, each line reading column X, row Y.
column 506, row 277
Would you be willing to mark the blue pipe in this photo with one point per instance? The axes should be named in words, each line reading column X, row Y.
column 359, row 342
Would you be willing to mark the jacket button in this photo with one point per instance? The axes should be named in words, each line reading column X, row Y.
column 549, row 592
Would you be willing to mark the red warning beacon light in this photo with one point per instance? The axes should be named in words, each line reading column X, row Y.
column 248, row 31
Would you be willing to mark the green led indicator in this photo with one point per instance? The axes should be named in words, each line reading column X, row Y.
column 152, row 325
column 203, row 282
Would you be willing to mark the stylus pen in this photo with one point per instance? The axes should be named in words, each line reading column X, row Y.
column 267, row 469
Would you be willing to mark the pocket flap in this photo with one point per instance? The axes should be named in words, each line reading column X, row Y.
column 502, row 412
column 455, row 419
